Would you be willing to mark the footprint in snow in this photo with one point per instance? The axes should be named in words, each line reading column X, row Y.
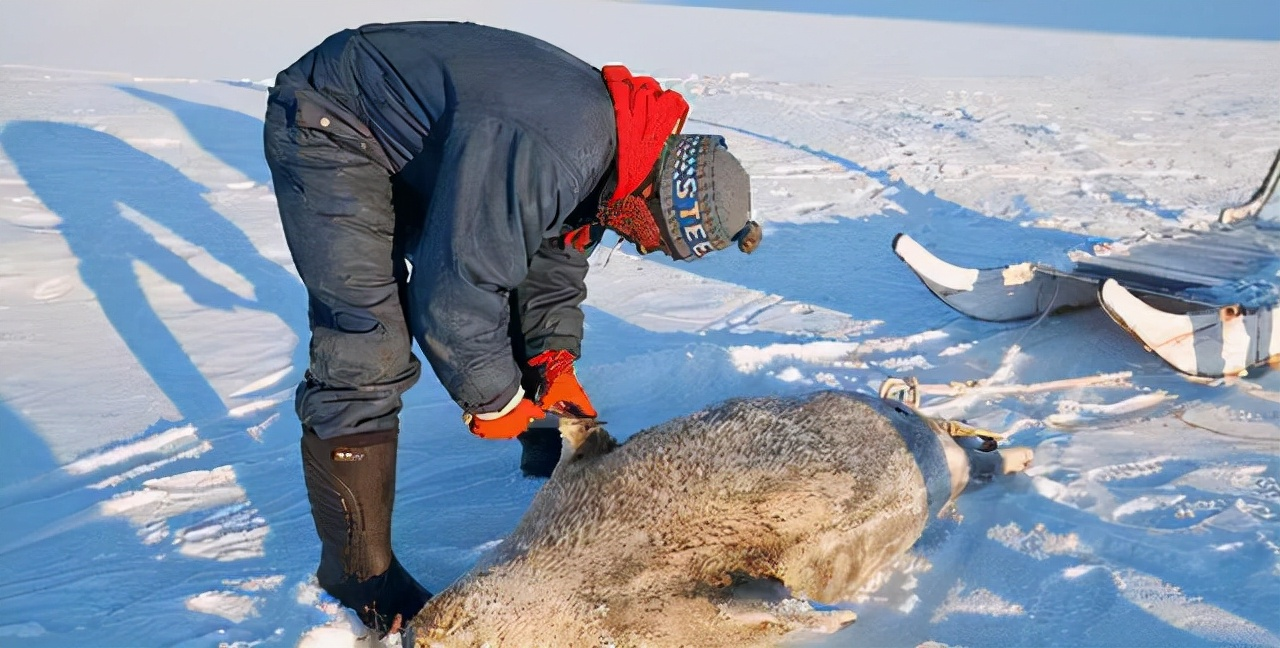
column 53, row 288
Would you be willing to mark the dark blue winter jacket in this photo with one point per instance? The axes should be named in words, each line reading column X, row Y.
column 503, row 136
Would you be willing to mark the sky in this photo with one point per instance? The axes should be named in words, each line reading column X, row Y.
column 799, row 47
column 1214, row 19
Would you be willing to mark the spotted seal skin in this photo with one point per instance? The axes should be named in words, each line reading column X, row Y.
column 654, row 542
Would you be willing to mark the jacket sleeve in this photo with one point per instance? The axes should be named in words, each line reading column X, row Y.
column 497, row 191
column 549, row 300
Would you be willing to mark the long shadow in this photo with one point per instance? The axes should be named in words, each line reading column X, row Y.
column 233, row 137
column 236, row 139
column 26, row 455
column 87, row 178
column 37, row 534
column 957, row 233
column 84, row 176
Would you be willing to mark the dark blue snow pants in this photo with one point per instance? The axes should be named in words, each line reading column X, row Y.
column 333, row 184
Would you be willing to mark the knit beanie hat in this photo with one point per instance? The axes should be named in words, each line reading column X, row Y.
column 705, row 196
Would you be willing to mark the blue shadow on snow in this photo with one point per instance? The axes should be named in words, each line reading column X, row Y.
column 88, row 179
column 25, row 454
column 84, row 176
column 233, row 137
column 861, row 269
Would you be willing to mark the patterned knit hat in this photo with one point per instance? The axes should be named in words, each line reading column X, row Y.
column 705, row 196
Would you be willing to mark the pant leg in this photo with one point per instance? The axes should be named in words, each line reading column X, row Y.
column 333, row 187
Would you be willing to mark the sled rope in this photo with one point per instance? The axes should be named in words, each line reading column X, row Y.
column 958, row 429
column 1047, row 309
column 908, row 391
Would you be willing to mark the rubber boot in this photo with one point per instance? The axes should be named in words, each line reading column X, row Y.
column 539, row 451
column 351, row 484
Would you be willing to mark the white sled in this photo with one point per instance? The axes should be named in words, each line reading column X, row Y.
column 1003, row 294
column 1195, row 337
column 1212, row 343
column 1180, row 295
column 1157, row 271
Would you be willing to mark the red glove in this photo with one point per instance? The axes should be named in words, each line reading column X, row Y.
column 560, row 392
column 507, row 426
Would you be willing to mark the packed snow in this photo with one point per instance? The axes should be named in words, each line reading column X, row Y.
column 150, row 488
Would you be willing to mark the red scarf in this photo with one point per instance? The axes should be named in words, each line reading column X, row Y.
column 646, row 116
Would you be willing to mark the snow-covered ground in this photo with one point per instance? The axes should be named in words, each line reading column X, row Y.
column 150, row 489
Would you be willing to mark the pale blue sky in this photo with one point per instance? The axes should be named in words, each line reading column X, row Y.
column 1233, row 19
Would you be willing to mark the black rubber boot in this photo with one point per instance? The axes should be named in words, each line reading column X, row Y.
column 539, row 451
column 351, row 483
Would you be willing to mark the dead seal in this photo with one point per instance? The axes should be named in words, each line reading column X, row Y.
column 670, row 538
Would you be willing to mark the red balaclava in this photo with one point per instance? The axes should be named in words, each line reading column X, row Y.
column 646, row 116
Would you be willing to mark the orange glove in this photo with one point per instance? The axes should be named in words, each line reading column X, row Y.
column 560, row 392
column 507, row 426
